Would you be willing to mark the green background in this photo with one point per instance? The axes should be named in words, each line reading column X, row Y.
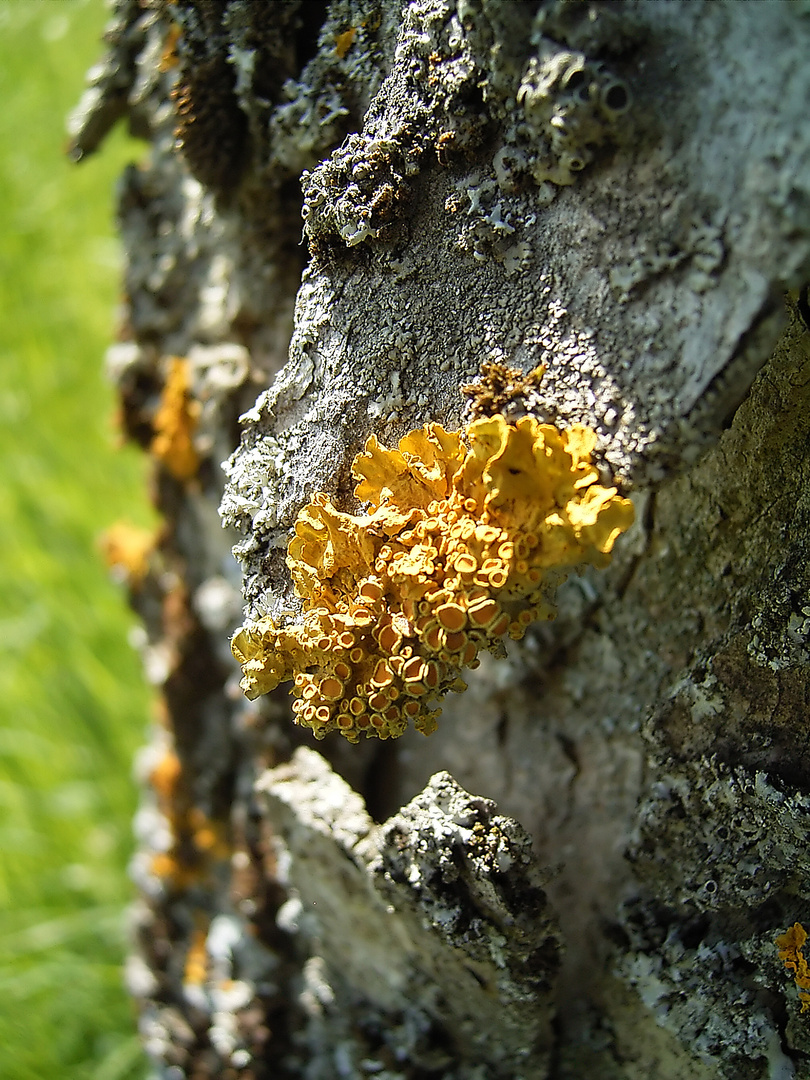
column 73, row 705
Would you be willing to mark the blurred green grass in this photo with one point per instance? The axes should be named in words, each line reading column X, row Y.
column 73, row 704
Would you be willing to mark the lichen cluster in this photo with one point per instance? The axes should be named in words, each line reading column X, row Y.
column 462, row 543
column 126, row 548
column 175, row 421
column 359, row 192
column 571, row 105
column 186, row 843
column 790, row 945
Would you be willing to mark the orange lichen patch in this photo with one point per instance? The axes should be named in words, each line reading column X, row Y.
column 197, row 842
column 343, row 42
column 164, row 865
column 195, row 970
column 790, row 945
column 127, row 548
column 207, row 836
column 164, row 778
column 174, row 423
column 465, row 538
column 169, row 57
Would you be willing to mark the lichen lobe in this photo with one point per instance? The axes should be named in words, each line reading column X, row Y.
column 464, row 540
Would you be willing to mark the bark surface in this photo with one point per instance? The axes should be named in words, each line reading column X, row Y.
column 345, row 209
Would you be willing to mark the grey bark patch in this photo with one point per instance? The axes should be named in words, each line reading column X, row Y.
column 431, row 931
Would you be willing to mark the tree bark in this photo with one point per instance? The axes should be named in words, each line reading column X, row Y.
column 347, row 207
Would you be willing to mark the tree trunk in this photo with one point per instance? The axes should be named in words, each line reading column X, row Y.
column 347, row 209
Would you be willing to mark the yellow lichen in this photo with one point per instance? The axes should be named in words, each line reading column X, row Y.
column 197, row 842
column 195, row 969
column 174, row 423
column 343, row 42
column 127, row 548
column 464, row 539
column 170, row 57
column 790, row 945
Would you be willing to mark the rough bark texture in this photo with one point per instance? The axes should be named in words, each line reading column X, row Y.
column 622, row 193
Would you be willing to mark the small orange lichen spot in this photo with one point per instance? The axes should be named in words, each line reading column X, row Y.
column 466, row 536
column 343, row 42
column 164, row 778
column 169, row 57
column 174, row 423
column 127, row 548
column 196, row 966
column 790, row 945
column 165, row 866
column 198, row 843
